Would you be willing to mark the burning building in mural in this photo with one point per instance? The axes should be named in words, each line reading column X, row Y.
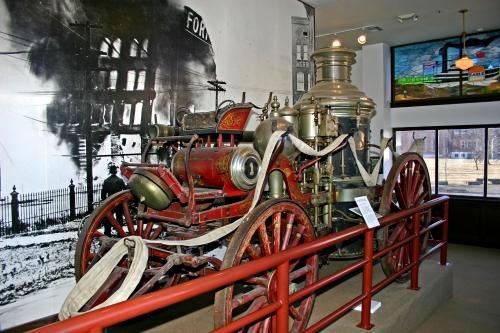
column 117, row 65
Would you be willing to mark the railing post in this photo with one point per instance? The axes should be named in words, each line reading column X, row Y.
column 72, row 205
column 367, row 281
column 415, row 252
column 282, row 295
column 444, row 249
column 14, row 206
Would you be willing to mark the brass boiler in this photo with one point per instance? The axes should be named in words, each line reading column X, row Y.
column 334, row 106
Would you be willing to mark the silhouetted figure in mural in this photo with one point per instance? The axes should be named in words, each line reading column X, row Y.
column 110, row 186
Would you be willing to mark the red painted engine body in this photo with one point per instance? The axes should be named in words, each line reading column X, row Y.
column 209, row 167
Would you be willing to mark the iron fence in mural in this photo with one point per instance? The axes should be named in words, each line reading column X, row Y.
column 23, row 212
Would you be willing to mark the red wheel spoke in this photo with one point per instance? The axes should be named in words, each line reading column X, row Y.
column 146, row 234
column 299, row 272
column 264, row 240
column 266, row 327
column 294, row 313
column 395, row 235
column 116, row 225
column 417, row 188
column 248, row 297
column 409, row 180
column 262, row 281
column 400, row 196
column 276, row 232
column 128, row 218
column 288, row 232
column 402, row 180
column 157, row 232
column 422, row 197
column 140, row 227
column 401, row 255
column 258, row 303
column 394, row 206
column 250, row 250
column 298, row 236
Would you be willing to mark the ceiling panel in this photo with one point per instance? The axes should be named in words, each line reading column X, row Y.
column 436, row 19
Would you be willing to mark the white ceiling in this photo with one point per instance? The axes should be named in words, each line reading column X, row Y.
column 437, row 19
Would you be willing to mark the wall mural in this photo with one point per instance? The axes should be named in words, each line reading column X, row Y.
column 426, row 73
column 113, row 67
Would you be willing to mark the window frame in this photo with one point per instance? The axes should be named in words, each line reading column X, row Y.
column 436, row 129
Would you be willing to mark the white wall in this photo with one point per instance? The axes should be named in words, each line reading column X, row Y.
column 252, row 43
column 373, row 61
column 447, row 115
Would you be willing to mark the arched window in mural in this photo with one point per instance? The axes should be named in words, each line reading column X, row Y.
column 144, row 49
column 113, row 77
column 117, row 43
column 138, row 113
column 127, row 109
column 105, row 47
column 300, row 81
column 133, row 48
column 130, row 80
column 141, row 79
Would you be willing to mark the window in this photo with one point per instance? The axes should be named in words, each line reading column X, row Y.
column 117, row 44
column 422, row 142
column 127, row 110
column 113, row 77
column 130, row 80
column 141, row 80
column 461, row 166
column 302, row 30
column 133, row 48
column 138, row 113
column 461, row 161
column 144, row 48
column 493, row 162
column 105, row 47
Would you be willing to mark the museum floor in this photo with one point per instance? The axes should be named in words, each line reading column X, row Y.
column 475, row 304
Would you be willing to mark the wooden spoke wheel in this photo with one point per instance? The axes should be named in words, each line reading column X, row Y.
column 407, row 185
column 271, row 227
column 115, row 218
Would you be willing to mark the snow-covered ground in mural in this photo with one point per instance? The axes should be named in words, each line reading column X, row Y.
column 36, row 274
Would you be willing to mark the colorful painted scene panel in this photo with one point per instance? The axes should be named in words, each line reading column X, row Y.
column 427, row 70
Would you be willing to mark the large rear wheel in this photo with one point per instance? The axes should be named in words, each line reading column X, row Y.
column 271, row 227
column 407, row 185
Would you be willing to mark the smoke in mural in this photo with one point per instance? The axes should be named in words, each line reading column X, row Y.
column 118, row 66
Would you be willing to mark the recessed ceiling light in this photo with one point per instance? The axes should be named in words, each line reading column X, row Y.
column 362, row 39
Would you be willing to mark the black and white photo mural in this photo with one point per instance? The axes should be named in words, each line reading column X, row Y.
column 81, row 82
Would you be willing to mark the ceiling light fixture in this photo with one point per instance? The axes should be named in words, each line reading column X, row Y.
column 367, row 28
column 362, row 39
column 465, row 62
column 336, row 43
column 403, row 18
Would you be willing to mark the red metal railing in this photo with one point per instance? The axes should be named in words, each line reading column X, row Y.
column 95, row 321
